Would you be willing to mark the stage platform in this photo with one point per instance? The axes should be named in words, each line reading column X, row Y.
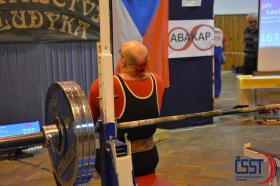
column 201, row 156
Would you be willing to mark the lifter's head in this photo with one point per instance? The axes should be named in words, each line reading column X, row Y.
column 133, row 59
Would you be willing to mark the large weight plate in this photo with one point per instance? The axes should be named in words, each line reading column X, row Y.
column 67, row 103
column 87, row 166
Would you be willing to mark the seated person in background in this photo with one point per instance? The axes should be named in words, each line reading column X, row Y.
column 139, row 97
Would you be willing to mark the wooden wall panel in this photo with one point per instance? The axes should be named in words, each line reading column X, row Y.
column 232, row 26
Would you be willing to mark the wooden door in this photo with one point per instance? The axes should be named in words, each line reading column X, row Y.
column 232, row 26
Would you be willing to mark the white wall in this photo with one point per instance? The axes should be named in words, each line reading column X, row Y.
column 235, row 6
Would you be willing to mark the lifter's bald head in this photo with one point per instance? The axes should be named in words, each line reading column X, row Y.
column 134, row 58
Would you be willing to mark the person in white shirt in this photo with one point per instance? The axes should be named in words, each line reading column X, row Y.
column 219, row 43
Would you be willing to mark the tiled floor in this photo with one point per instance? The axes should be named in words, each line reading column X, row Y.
column 201, row 156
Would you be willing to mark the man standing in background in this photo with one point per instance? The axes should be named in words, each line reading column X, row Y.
column 251, row 36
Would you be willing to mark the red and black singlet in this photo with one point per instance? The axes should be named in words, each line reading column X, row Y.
column 137, row 108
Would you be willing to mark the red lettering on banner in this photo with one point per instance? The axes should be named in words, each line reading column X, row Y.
column 183, row 39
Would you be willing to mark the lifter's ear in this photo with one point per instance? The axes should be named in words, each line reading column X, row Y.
column 123, row 62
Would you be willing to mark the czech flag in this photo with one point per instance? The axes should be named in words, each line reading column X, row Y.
column 147, row 22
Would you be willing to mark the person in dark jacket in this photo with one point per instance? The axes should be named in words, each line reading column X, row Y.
column 251, row 36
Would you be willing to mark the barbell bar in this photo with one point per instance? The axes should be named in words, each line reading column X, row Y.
column 39, row 137
column 21, row 141
column 214, row 113
column 69, row 131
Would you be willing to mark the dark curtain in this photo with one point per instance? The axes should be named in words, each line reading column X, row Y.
column 27, row 70
column 191, row 82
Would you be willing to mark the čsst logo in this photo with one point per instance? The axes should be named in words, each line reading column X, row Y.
column 273, row 170
column 248, row 169
column 201, row 37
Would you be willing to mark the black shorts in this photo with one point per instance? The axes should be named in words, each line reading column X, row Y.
column 145, row 162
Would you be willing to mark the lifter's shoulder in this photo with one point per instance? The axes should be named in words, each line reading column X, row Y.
column 158, row 79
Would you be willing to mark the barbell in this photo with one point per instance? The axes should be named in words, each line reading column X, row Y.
column 69, row 131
